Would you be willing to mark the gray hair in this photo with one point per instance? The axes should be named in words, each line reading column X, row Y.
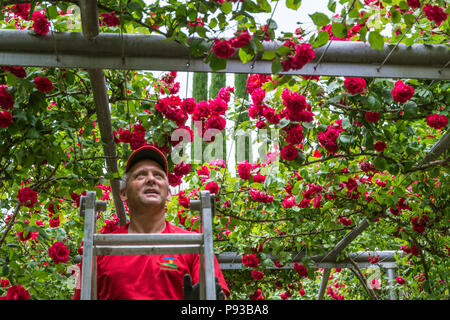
column 124, row 181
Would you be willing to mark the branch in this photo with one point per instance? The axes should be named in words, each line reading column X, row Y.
column 11, row 221
column 362, row 279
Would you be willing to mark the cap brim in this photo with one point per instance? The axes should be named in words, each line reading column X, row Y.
column 147, row 153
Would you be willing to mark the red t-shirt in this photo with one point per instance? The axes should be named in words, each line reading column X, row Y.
column 148, row 277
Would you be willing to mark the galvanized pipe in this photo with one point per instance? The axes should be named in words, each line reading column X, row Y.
column 150, row 52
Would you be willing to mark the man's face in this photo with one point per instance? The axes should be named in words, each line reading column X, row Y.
column 147, row 186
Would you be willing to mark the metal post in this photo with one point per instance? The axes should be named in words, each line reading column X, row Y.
column 88, row 273
column 391, row 282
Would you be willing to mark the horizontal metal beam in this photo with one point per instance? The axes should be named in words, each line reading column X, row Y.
column 147, row 249
column 149, row 52
column 386, row 259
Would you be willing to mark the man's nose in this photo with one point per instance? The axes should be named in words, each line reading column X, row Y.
column 150, row 178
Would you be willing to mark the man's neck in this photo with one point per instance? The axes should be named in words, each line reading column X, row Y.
column 147, row 223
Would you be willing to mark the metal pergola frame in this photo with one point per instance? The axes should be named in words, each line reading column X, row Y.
column 96, row 52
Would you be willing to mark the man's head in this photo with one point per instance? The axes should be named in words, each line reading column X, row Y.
column 145, row 181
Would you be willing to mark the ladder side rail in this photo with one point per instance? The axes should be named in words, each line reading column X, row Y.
column 87, row 275
column 209, row 269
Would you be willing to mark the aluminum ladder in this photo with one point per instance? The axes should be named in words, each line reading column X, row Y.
column 144, row 244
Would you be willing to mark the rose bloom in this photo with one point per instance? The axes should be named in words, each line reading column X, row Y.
column 258, row 95
column 241, row 39
column 372, row 116
column 244, row 169
column 222, row 49
column 402, row 92
column 19, row 72
column 250, row 260
column 27, row 196
column 174, row 180
column 379, row 146
column 301, row 270
column 257, row 275
column 259, row 178
column 43, row 84
column 5, row 119
column 59, row 253
column 212, row 187
column 110, row 19
column 355, row 85
column 182, row 169
column 16, row 292
column 435, row 13
column 437, row 121
column 218, row 106
column 399, row 280
column 55, row 222
column 6, row 100
column 415, row 4
column 216, row 122
column 289, row 152
column 40, row 23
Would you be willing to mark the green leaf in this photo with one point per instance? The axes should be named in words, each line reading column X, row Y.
column 293, row 4
column 380, row 164
column 245, row 56
column 321, row 40
column 376, row 40
column 276, row 66
column 226, row 7
column 217, row 63
column 319, row 19
column 339, row 30
column 268, row 55
column 410, row 108
column 331, row 5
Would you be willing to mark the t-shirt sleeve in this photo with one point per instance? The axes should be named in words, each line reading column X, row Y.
column 218, row 274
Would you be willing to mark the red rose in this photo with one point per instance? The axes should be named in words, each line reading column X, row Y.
column 174, row 180
column 241, row 39
column 43, row 84
column 218, row 106
column 415, row 4
column 379, row 146
column 54, row 223
column 303, row 54
column 182, row 169
column 372, row 116
column 109, row 226
column 435, row 13
column 402, row 92
column 257, row 275
column 271, row 116
column 188, row 105
column 19, row 72
column 399, row 280
column 222, row 49
column 59, row 253
column 212, row 187
column 110, row 19
column 201, row 111
column 5, row 119
column 294, row 134
column 289, row 152
column 17, row 292
column 419, row 224
column 259, row 178
column 40, row 23
column 216, row 122
column 355, row 85
column 124, row 135
column 6, row 100
column 27, row 196
column 257, row 295
column 250, row 260
column 258, row 95
column 301, row 270
column 244, row 169
column 437, row 121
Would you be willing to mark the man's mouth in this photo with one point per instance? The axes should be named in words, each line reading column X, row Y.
column 151, row 192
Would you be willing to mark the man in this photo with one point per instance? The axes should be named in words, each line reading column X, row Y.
column 145, row 188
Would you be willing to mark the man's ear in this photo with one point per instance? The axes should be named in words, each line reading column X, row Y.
column 123, row 195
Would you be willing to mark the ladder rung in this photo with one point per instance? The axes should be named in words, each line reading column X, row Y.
column 144, row 249
column 159, row 239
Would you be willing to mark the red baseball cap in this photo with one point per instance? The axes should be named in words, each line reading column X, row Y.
column 148, row 152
